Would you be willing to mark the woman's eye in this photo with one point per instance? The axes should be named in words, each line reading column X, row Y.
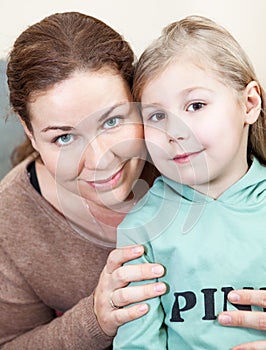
column 64, row 140
column 156, row 117
column 112, row 122
column 195, row 106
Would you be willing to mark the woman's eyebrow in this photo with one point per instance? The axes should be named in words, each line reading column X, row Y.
column 69, row 128
column 63, row 128
column 111, row 109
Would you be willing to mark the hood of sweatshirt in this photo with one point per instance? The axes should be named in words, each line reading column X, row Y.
column 250, row 189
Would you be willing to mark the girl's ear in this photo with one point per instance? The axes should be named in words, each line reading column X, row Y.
column 252, row 102
column 29, row 134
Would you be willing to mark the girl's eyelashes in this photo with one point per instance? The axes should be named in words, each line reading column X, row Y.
column 158, row 116
column 195, row 106
column 63, row 140
column 153, row 116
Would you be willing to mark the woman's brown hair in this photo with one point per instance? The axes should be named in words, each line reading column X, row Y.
column 50, row 51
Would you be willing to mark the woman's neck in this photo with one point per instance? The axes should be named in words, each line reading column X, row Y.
column 88, row 218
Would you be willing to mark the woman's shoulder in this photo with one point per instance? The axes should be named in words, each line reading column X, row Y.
column 17, row 177
column 16, row 198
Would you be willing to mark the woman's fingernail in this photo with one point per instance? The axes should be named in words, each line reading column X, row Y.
column 158, row 270
column 137, row 250
column 143, row 308
column 159, row 287
column 234, row 297
column 225, row 319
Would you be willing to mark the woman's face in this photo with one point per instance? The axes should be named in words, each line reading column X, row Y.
column 90, row 136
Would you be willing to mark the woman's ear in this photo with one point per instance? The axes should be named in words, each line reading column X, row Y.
column 252, row 102
column 29, row 134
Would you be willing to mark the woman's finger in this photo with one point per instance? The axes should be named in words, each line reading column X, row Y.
column 119, row 256
column 248, row 297
column 111, row 317
column 121, row 316
column 248, row 319
column 123, row 275
column 129, row 295
column 257, row 345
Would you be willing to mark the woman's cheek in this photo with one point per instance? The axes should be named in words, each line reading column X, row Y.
column 66, row 164
column 127, row 141
column 130, row 147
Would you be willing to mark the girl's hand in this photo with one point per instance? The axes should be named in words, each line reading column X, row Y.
column 112, row 288
column 254, row 319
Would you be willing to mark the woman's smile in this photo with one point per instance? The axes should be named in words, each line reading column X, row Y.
column 100, row 152
column 109, row 182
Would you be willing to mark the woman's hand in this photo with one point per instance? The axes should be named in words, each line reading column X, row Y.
column 112, row 286
column 254, row 319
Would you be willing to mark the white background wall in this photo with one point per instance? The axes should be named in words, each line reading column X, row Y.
column 141, row 20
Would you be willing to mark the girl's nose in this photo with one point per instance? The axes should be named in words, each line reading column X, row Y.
column 177, row 130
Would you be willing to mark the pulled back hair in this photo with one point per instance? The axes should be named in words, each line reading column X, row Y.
column 207, row 44
column 50, row 51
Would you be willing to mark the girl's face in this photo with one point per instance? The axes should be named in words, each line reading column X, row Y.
column 196, row 130
column 90, row 136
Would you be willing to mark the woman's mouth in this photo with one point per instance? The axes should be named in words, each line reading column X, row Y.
column 108, row 183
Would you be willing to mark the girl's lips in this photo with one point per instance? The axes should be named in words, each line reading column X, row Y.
column 185, row 157
column 109, row 183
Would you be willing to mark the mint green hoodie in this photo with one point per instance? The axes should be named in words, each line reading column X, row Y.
column 208, row 247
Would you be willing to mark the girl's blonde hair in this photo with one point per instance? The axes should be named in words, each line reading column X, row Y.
column 209, row 45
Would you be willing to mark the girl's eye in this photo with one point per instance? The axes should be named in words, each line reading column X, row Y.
column 64, row 140
column 156, row 117
column 112, row 122
column 195, row 106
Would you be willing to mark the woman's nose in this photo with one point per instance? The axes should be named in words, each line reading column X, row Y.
column 98, row 155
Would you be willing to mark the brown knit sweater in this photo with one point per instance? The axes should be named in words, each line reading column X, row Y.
column 45, row 266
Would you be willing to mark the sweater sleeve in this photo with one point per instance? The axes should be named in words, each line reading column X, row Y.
column 27, row 323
